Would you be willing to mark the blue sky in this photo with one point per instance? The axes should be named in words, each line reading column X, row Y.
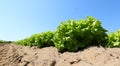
column 21, row 18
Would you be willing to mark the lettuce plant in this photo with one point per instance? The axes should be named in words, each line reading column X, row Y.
column 114, row 39
column 43, row 39
column 73, row 35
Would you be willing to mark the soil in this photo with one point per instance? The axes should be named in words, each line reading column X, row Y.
column 15, row 55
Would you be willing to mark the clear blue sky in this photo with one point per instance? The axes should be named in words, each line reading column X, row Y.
column 21, row 18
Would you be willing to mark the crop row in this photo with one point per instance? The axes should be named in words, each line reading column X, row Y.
column 74, row 35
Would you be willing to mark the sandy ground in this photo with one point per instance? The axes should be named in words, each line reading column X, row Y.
column 15, row 55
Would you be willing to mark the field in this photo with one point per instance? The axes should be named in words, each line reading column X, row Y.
column 74, row 43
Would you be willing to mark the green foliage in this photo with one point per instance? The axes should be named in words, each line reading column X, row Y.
column 74, row 35
column 114, row 39
column 41, row 40
column 44, row 39
column 2, row 41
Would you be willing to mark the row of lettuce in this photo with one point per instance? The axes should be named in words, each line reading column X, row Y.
column 74, row 35
column 4, row 41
